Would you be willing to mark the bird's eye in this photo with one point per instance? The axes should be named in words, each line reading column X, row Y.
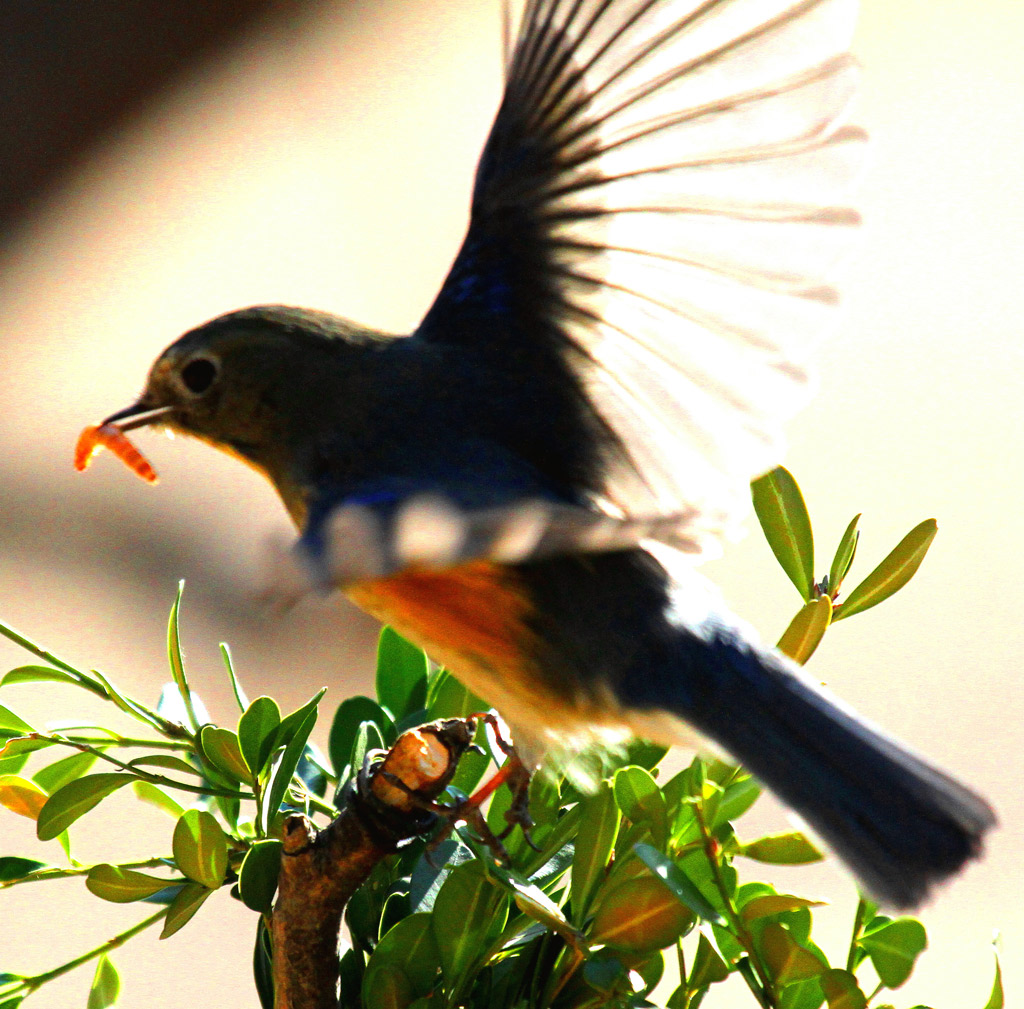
column 199, row 374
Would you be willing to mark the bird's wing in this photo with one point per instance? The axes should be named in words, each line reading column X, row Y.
column 659, row 201
column 373, row 536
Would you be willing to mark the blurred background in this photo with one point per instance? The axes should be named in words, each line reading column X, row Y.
column 161, row 163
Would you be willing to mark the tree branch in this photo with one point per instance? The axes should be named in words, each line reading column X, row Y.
column 320, row 870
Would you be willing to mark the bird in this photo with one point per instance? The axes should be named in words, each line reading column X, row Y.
column 526, row 483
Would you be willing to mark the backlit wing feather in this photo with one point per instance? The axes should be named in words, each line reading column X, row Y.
column 661, row 200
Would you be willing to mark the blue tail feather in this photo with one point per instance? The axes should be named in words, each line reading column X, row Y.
column 900, row 824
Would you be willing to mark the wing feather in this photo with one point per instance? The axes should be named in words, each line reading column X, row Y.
column 662, row 200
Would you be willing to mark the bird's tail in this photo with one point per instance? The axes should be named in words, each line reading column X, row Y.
column 899, row 823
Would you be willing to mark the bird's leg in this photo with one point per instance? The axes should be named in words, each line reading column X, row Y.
column 514, row 773
column 468, row 811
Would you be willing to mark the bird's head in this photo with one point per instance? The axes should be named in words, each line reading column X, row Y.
column 260, row 383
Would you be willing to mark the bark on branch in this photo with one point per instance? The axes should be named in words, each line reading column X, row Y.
column 321, row 869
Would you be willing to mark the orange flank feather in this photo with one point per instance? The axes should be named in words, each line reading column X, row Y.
column 475, row 610
column 473, row 619
column 92, row 439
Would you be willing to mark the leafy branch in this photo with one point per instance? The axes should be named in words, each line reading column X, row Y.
column 618, row 877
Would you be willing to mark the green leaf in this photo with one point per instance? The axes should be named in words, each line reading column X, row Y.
column 468, row 911
column 605, row 975
column 533, row 902
column 14, row 867
column 263, row 964
column 640, row 800
column 12, row 725
column 783, row 516
column 641, row 915
column 678, row 882
column 183, row 907
column 787, row 960
column 595, row 842
column 257, row 879
column 236, row 687
column 362, row 914
column 176, row 662
column 643, row 753
column 293, row 722
column 123, row 886
column 222, row 749
column 775, row 903
column 37, row 674
column 807, row 628
column 473, row 765
column 155, row 796
column 450, row 698
column 126, row 704
column 782, row 849
column 893, row 947
column 9, row 984
column 166, row 761
column 14, row 762
column 740, row 794
column 408, row 951
column 710, row 800
column 708, row 965
column 698, row 868
column 351, row 713
column 22, row 796
column 546, row 867
column 75, row 799
column 841, row 990
column 64, row 840
column 536, row 904
column 256, row 729
column 230, row 809
column 396, row 907
column 804, row 995
column 315, row 769
column 545, row 804
column 391, row 988
column 844, row 556
column 995, row 1000
column 748, row 891
column 57, row 775
column 680, row 999
column 106, row 985
column 500, row 804
column 893, row 573
column 17, row 748
column 64, row 727
column 401, row 674
column 201, row 848
column 431, row 870
column 651, row 971
column 367, row 738
column 283, row 769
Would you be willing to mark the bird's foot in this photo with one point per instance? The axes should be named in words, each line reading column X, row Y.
column 515, row 774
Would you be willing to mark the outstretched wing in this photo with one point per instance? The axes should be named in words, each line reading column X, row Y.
column 359, row 541
column 658, row 204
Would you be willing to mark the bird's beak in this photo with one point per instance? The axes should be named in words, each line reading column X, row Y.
column 110, row 434
column 138, row 414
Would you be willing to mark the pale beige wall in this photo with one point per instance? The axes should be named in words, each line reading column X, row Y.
column 330, row 167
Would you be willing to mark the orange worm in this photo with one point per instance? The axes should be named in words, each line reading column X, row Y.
column 92, row 439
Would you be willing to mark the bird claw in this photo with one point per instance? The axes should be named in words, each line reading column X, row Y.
column 518, row 813
column 513, row 773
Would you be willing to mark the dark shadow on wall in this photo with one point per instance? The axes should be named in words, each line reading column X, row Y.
column 72, row 69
